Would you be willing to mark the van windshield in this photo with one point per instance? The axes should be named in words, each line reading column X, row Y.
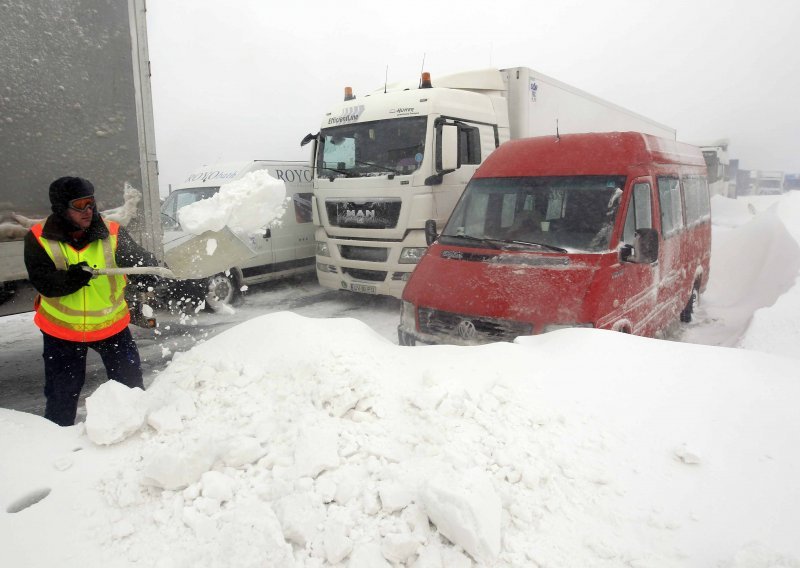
column 561, row 212
column 394, row 146
column 179, row 199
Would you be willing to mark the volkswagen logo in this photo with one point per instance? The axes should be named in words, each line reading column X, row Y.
column 466, row 329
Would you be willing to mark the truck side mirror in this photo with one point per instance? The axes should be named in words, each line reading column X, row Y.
column 645, row 247
column 449, row 151
column 430, row 231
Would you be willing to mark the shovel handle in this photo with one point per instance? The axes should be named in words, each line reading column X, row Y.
column 156, row 270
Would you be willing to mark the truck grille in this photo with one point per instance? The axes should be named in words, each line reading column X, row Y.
column 470, row 328
column 369, row 254
column 379, row 214
column 369, row 275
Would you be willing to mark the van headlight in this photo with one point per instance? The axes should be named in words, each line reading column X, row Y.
column 411, row 255
column 557, row 326
column 407, row 317
column 322, row 249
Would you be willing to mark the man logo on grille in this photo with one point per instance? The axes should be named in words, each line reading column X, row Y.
column 466, row 329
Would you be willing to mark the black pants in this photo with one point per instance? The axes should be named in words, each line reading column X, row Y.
column 65, row 371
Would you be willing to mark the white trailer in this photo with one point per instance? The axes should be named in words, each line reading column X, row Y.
column 403, row 154
column 78, row 103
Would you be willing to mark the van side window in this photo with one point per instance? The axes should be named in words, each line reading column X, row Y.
column 302, row 207
column 695, row 195
column 640, row 212
column 669, row 198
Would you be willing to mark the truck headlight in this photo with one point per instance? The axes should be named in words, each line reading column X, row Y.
column 411, row 255
column 557, row 326
column 322, row 249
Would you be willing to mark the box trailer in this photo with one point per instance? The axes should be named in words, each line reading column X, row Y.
column 80, row 105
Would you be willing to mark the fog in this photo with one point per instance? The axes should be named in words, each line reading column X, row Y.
column 251, row 79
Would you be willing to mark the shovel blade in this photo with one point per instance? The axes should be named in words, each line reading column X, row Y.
column 202, row 256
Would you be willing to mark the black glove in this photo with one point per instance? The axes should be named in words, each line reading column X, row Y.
column 77, row 275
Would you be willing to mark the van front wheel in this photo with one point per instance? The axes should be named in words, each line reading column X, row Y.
column 221, row 291
column 688, row 311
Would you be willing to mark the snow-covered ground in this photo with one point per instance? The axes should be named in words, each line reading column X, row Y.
column 291, row 440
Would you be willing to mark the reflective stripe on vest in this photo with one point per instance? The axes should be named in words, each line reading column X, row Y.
column 94, row 312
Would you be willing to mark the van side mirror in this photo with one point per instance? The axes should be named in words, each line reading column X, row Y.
column 430, row 231
column 644, row 249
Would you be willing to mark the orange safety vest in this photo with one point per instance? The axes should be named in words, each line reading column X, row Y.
column 94, row 312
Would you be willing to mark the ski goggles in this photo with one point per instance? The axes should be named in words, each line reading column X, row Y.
column 82, row 203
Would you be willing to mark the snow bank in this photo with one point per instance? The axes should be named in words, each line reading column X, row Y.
column 244, row 205
column 575, row 448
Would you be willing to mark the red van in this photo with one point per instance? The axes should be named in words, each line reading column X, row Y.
column 609, row 230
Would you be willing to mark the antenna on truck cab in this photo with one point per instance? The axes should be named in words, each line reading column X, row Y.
column 386, row 80
column 421, row 70
column 557, row 135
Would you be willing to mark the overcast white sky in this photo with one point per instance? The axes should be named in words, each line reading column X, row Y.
column 248, row 79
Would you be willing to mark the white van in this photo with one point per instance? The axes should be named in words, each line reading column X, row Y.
column 281, row 251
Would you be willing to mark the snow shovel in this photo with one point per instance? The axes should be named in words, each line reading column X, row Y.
column 193, row 256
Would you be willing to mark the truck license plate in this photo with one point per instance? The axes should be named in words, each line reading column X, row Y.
column 363, row 288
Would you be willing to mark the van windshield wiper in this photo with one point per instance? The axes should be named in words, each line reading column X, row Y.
column 489, row 242
column 529, row 244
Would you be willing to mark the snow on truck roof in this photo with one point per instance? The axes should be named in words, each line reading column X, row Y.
column 599, row 153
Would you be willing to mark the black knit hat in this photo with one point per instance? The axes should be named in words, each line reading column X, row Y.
column 65, row 189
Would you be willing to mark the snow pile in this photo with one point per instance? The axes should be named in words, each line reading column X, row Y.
column 347, row 450
column 775, row 328
column 244, row 205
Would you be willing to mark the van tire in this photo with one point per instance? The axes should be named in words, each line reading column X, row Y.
column 221, row 290
column 688, row 311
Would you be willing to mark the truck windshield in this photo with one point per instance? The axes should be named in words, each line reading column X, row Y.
column 394, row 146
column 550, row 213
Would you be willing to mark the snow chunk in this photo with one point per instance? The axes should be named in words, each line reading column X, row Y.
column 217, row 486
column 466, row 510
column 113, row 412
column 299, row 516
column 177, row 467
column 317, row 449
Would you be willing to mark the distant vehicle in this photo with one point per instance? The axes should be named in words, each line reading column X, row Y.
column 404, row 153
column 767, row 182
column 610, row 231
column 791, row 181
column 717, row 163
column 282, row 251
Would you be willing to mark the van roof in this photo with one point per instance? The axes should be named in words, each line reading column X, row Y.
column 604, row 153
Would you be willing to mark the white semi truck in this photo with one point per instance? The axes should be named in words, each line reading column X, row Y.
column 767, row 182
column 77, row 102
column 401, row 155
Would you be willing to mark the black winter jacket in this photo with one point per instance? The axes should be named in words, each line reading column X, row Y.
column 52, row 283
